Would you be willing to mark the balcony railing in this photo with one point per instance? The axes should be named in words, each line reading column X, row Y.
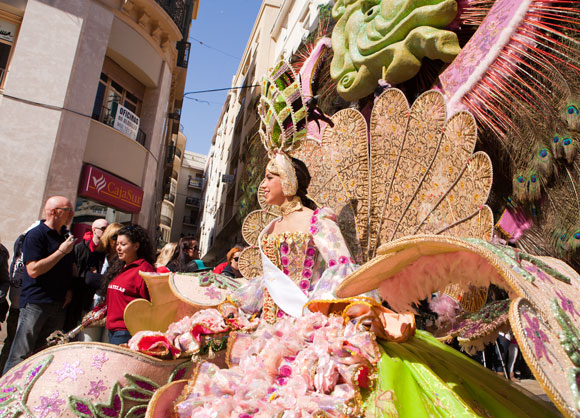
column 105, row 116
column 183, row 49
column 194, row 183
column 170, row 154
column 175, row 174
column 189, row 220
column 169, row 197
column 180, row 12
column 178, row 153
column 165, row 220
column 193, row 201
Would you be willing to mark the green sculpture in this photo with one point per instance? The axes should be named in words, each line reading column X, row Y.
column 387, row 39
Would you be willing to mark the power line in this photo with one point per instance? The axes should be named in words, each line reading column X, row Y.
column 222, row 89
column 215, row 49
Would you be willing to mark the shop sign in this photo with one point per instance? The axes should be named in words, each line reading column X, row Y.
column 228, row 178
column 7, row 31
column 110, row 190
column 125, row 121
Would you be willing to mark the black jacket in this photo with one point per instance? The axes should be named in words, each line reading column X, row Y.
column 4, row 281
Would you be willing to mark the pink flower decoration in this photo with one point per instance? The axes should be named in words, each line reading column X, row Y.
column 99, row 360
column 331, row 262
column 284, row 249
column 285, row 371
column 308, row 262
column 280, row 313
column 69, row 371
column 281, row 381
column 49, row 405
column 96, row 388
column 313, row 220
column 284, row 260
column 567, row 304
column 316, row 212
column 310, row 252
column 539, row 337
column 306, row 273
column 342, row 259
column 286, row 271
column 313, row 230
column 304, row 284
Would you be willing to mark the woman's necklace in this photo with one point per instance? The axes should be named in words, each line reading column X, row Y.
column 293, row 205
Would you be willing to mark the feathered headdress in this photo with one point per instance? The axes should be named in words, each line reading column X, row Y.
column 284, row 124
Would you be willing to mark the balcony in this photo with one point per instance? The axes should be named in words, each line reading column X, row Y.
column 105, row 116
column 170, row 197
column 183, row 49
column 170, row 154
column 165, row 220
column 188, row 220
column 178, row 153
column 180, row 11
column 195, row 183
column 174, row 175
column 193, row 201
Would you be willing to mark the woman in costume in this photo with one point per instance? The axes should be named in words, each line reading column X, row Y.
column 304, row 259
column 300, row 362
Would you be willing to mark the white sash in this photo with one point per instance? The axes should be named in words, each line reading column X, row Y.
column 283, row 290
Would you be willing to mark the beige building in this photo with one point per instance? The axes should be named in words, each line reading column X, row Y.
column 90, row 97
column 280, row 28
column 182, row 200
column 189, row 202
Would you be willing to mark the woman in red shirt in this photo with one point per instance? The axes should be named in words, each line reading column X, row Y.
column 135, row 254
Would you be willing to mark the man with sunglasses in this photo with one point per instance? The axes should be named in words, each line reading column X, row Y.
column 46, row 285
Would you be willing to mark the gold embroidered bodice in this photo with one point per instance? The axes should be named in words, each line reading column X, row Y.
column 294, row 254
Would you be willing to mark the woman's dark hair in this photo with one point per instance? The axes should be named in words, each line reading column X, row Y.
column 303, row 177
column 136, row 234
column 181, row 259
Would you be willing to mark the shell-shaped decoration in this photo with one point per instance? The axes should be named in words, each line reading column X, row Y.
column 338, row 167
column 250, row 262
column 253, row 225
column 415, row 156
column 545, row 352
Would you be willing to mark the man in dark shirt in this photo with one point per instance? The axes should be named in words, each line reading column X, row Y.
column 45, row 292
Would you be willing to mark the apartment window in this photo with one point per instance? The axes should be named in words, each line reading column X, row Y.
column 109, row 92
column 8, row 31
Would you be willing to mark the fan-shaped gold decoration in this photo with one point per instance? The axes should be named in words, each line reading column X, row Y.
column 254, row 223
column 471, row 300
column 416, row 174
column 250, row 262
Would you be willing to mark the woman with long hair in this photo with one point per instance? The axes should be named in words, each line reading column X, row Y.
column 124, row 284
column 165, row 256
column 184, row 258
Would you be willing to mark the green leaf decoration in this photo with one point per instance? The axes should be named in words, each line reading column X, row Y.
column 114, row 408
column 138, row 411
column 180, row 372
column 81, row 408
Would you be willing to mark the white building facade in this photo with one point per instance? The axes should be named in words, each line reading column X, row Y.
column 280, row 28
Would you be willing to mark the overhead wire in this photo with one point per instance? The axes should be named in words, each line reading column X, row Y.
column 215, row 49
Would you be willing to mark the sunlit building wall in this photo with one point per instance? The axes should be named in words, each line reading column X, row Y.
column 90, row 94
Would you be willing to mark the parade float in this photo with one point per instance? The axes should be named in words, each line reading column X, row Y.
column 491, row 133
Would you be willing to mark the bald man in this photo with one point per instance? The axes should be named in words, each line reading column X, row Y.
column 46, row 252
column 87, row 255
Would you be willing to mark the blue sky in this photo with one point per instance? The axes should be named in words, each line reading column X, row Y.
column 224, row 27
